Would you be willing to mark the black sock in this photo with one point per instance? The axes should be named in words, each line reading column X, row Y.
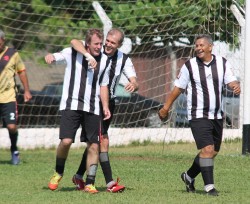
column 60, row 165
column 82, row 168
column 91, row 174
column 207, row 167
column 195, row 169
column 13, row 141
column 106, row 168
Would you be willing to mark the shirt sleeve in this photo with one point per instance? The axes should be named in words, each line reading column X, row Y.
column 183, row 78
column 229, row 75
column 129, row 69
column 19, row 64
column 60, row 57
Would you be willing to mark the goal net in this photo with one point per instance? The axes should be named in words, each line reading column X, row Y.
column 159, row 38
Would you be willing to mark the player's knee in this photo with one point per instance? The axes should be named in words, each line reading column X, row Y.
column 12, row 128
column 66, row 142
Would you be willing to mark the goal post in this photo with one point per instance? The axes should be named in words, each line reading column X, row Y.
column 159, row 39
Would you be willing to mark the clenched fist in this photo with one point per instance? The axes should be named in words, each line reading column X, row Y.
column 163, row 113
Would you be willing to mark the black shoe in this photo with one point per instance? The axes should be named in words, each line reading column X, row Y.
column 189, row 185
column 213, row 192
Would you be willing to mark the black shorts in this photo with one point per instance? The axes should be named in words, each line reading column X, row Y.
column 106, row 123
column 71, row 121
column 207, row 132
column 9, row 113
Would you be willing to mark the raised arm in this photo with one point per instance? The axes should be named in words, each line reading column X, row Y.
column 79, row 47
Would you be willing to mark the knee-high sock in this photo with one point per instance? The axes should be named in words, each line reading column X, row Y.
column 106, row 168
column 60, row 165
column 195, row 169
column 82, row 168
column 207, row 170
column 91, row 174
column 13, row 141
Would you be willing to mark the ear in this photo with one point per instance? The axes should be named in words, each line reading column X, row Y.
column 211, row 47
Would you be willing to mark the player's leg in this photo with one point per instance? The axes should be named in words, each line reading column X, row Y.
column 70, row 122
column 91, row 127
column 77, row 179
column 208, row 154
column 112, row 186
column 203, row 131
column 10, row 115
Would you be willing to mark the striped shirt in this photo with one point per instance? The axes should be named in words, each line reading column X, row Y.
column 120, row 63
column 204, row 85
column 81, row 86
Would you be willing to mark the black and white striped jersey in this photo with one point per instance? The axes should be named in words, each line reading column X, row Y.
column 81, row 86
column 204, row 86
column 120, row 63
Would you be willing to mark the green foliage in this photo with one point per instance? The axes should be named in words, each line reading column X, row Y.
column 44, row 24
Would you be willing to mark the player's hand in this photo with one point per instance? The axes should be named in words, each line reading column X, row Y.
column 163, row 114
column 49, row 58
column 130, row 87
column 27, row 96
column 106, row 113
column 91, row 60
column 236, row 88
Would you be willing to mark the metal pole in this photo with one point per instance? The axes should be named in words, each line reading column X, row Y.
column 246, row 95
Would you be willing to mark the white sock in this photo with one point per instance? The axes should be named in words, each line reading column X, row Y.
column 208, row 187
column 111, row 183
column 189, row 178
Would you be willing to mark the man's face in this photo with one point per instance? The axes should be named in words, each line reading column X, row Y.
column 2, row 44
column 95, row 46
column 203, row 49
column 112, row 43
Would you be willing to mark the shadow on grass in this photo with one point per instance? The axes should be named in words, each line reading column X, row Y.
column 63, row 189
column 6, row 162
column 197, row 192
column 69, row 189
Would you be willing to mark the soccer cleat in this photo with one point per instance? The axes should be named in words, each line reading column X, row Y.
column 213, row 192
column 78, row 182
column 15, row 158
column 189, row 185
column 90, row 189
column 54, row 181
column 115, row 188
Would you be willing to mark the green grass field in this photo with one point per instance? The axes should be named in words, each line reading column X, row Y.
column 150, row 172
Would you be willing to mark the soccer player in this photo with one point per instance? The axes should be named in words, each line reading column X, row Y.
column 120, row 63
column 79, row 105
column 10, row 64
column 203, row 78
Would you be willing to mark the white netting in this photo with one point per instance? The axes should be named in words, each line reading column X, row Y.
column 159, row 38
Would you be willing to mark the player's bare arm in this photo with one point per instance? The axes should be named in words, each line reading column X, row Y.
column 132, row 86
column 24, row 79
column 163, row 112
column 79, row 47
column 104, row 94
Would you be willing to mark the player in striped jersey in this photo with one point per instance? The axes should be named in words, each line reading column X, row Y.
column 203, row 78
column 120, row 63
column 82, row 88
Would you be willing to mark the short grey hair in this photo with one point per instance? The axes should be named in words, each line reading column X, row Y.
column 117, row 30
column 206, row 36
column 2, row 34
